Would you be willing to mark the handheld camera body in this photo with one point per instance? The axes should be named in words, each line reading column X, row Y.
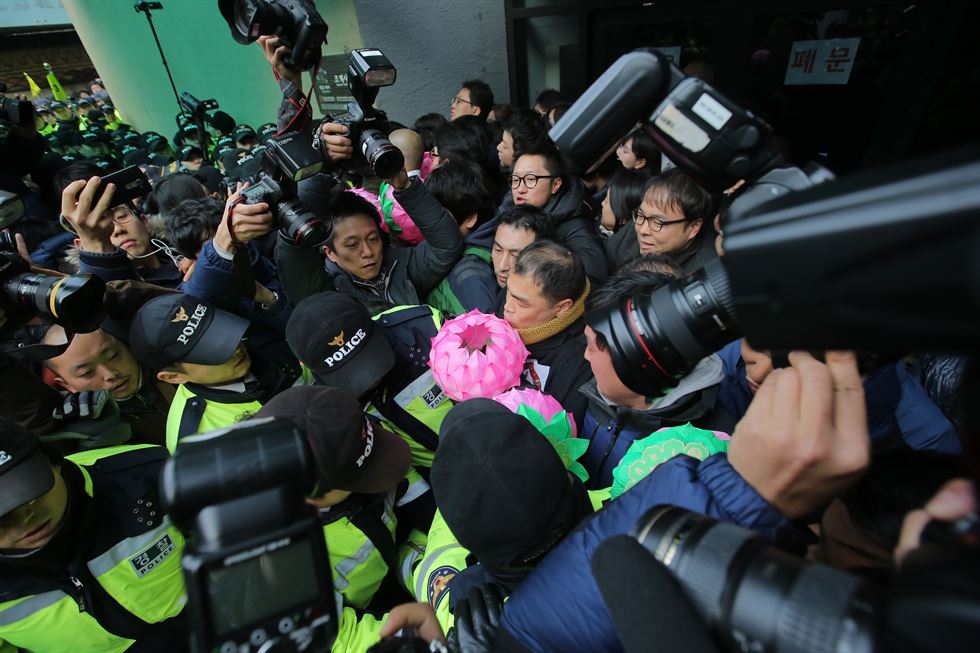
column 287, row 159
column 256, row 565
column 368, row 70
column 296, row 23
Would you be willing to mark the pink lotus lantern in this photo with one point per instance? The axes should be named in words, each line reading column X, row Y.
column 394, row 219
column 546, row 405
column 477, row 355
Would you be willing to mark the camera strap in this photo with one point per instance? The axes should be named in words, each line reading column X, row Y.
column 368, row 521
column 242, row 259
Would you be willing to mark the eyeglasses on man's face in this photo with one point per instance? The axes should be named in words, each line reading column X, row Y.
column 656, row 224
column 457, row 100
column 529, row 180
column 122, row 214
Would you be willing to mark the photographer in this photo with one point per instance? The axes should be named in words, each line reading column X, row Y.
column 355, row 260
column 88, row 561
column 802, row 442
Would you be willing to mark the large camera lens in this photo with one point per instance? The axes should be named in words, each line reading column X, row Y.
column 384, row 158
column 656, row 339
column 75, row 301
column 300, row 225
column 753, row 595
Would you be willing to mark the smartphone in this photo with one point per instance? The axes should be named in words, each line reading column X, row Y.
column 131, row 183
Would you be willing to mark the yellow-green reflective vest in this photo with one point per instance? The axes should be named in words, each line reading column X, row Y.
column 187, row 408
column 445, row 557
column 358, row 567
column 141, row 573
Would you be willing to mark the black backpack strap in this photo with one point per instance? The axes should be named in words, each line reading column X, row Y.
column 368, row 521
column 191, row 418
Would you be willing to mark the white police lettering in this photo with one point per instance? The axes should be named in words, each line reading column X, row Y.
column 368, row 447
column 193, row 323
column 5, row 457
column 346, row 349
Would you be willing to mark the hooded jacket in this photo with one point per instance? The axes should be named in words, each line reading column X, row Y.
column 407, row 274
column 575, row 228
column 559, row 607
column 471, row 284
column 900, row 412
column 611, row 429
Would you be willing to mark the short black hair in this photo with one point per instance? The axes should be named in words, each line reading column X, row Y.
column 530, row 218
column 553, row 161
column 464, row 139
column 644, row 148
column 674, row 189
column 555, row 268
column 480, row 95
column 426, row 126
column 502, row 112
column 172, row 190
column 625, row 191
column 547, row 99
column 461, row 187
column 73, row 172
column 648, row 273
column 527, row 130
column 347, row 205
column 192, row 222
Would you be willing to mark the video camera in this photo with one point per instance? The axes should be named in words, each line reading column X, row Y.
column 368, row 71
column 255, row 564
column 755, row 597
column 287, row 159
column 296, row 23
column 73, row 301
column 880, row 262
column 196, row 109
column 809, row 263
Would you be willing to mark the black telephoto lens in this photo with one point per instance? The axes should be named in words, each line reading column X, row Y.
column 658, row 338
column 300, row 225
column 384, row 158
column 7, row 242
column 75, row 301
column 755, row 596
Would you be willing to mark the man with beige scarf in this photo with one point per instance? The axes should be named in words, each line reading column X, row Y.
column 545, row 302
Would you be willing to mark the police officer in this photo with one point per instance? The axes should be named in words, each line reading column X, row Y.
column 386, row 368
column 188, row 342
column 88, row 561
column 366, row 492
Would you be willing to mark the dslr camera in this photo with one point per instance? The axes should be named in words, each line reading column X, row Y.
column 287, row 160
column 296, row 23
column 255, row 563
column 368, row 70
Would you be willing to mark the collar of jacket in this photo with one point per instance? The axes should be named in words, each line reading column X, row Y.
column 553, row 327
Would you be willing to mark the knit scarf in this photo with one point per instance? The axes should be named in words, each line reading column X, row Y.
column 535, row 334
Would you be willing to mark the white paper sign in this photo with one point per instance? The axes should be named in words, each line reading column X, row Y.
column 821, row 62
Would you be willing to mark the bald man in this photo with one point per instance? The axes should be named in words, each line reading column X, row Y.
column 410, row 143
column 100, row 361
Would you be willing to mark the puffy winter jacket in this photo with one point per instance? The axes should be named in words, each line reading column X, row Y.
column 407, row 275
column 576, row 230
column 471, row 284
column 899, row 411
column 559, row 608
column 612, row 429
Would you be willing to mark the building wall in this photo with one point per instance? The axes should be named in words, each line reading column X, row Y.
column 435, row 45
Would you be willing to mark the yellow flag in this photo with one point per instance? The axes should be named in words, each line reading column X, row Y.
column 35, row 89
column 56, row 90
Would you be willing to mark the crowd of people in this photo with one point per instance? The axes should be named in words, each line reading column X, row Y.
column 214, row 318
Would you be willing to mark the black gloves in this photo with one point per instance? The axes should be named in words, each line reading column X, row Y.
column 477, row 618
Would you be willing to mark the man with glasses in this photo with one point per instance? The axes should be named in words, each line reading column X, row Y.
column 474, row 99
column 671, row 219
column 539, row 180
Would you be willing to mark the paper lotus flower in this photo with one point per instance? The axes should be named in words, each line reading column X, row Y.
column 647, row 454
column 545, row 405
column 477, row 355
column 554, row 423
column 394, row 219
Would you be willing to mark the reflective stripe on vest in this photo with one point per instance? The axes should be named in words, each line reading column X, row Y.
column 359, row 574
column 422, row 580
column 128, row 548
column 52, row 622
